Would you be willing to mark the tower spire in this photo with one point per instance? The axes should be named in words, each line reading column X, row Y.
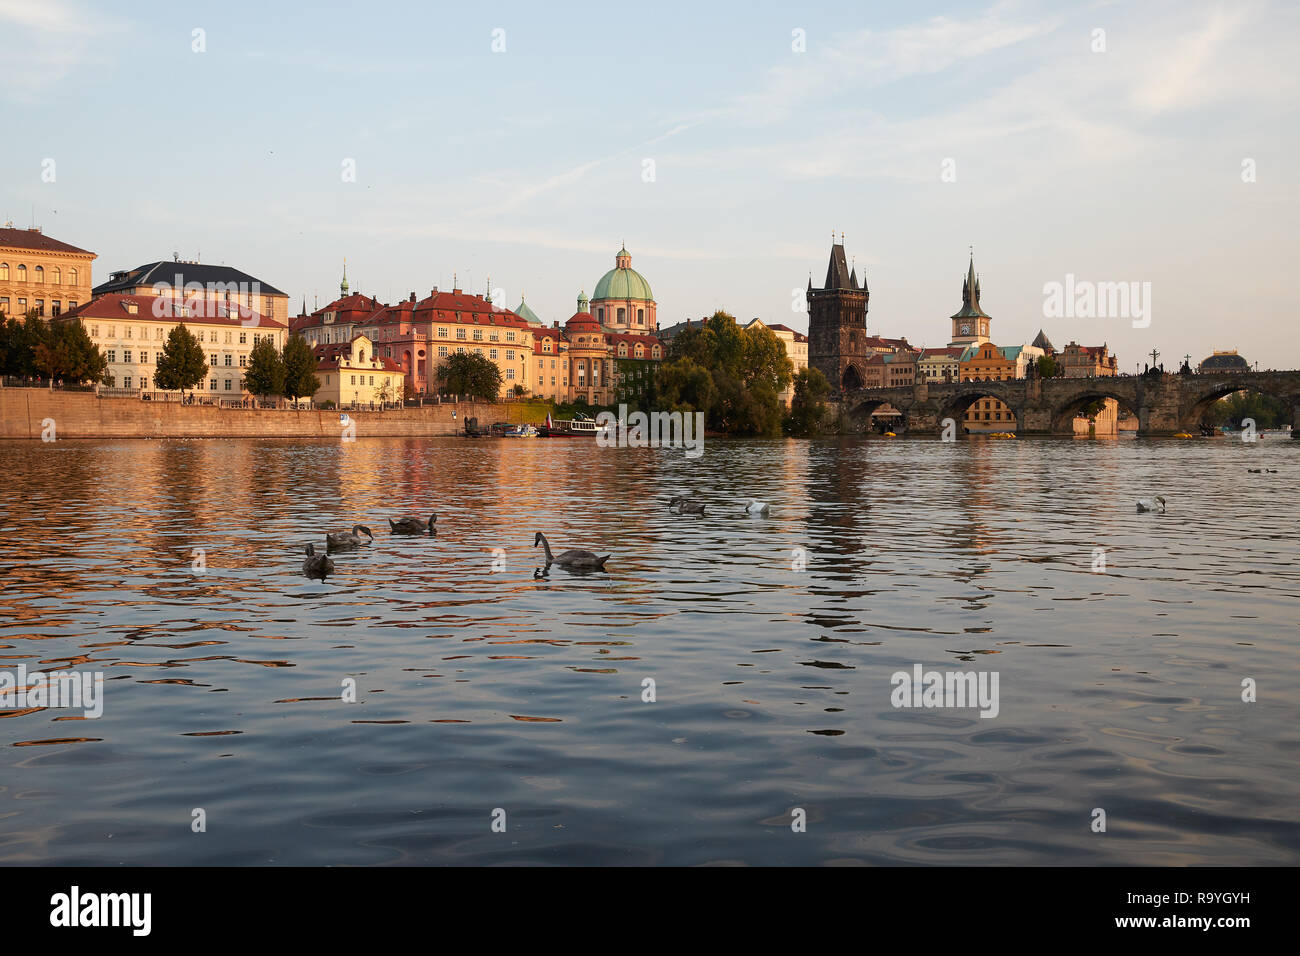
column 343, row 286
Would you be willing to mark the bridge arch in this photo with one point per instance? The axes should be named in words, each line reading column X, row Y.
column 852, row 379
column 1004, row 415
column 1065, row 412
column 865, row 405
column 1196, row 408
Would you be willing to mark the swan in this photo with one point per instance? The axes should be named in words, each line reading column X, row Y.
column 581, row 560
column 757, row 508
column 316, row 565
column 347, row 540
column 412, row 525
column 1151, row 504
column 684, row 506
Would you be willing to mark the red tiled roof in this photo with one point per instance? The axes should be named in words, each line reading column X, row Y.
column 154, row 307
column 331, row 356
column 37, row 241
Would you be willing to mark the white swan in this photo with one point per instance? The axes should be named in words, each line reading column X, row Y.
column 757, row 508
column 1152, row 504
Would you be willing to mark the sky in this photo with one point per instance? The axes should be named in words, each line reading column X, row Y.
column 522, row 144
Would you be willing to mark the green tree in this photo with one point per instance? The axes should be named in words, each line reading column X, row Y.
column 265, row 374
column 299, row 362
column 469, row 373
column 66, row 352
column 807, row 415
column 182, row 364
column 1048, row 366
column 1267, row 411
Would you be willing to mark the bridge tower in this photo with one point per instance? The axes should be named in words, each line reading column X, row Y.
column 837, row 323
column 970, row 326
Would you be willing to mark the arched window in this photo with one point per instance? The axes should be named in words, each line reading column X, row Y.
column 57, row 276
column 4, row 272
column 600, row 314
column 40, row 274
column 622, row 315
column 640, row 316
column 22, row 272
column 72, row 277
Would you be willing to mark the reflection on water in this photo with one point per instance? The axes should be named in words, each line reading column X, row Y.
column 479, row 689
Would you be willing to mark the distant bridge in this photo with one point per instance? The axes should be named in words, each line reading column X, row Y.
column 1163, row 403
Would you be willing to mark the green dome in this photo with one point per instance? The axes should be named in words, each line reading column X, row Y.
column 623, row 283
column 527, row 314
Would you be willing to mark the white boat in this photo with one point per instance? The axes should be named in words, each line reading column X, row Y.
column 521, row 431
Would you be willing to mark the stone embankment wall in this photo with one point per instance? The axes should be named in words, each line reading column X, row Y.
column 24, row 411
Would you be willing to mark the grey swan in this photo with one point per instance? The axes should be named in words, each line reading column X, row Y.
column 685, row 506
column 316, row 565
column 412, row 525
column 571, row 559
column 1152, row 504
column 347, row 540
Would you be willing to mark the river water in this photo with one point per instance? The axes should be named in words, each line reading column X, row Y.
column 484, row 692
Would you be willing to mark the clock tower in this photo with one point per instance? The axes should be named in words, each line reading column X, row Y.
column 970, row 326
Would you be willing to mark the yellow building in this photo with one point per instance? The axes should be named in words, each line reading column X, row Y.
column 37, row 272
column 353, row 374
column 131, row 331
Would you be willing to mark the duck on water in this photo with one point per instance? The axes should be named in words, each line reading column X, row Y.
column 573, row 559
column 348, row 540
column 413, row 525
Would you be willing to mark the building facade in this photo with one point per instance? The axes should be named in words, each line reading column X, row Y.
column 41, row 273
column 353, row 374
column 187, row 282
column 1087, row 361
column 131, row 331
column 796, row 350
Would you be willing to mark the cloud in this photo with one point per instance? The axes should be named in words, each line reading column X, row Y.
column 44, row 43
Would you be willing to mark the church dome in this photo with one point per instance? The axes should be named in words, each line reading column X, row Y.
column 527, row 314
column 623, row 282
column 1225, row 362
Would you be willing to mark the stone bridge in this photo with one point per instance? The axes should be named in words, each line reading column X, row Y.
column 1163, row 403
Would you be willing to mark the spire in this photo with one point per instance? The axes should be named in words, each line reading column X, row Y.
column 343, row 286
column 837, row 271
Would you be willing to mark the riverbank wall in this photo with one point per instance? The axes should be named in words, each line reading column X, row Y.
column 28, row 413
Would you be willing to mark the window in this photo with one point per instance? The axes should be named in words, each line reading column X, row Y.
column 112, row 355
column 492, row 353
column 478, row 335
column 354, row 380
column 94, row 329
column 227, row 338
column 228, row 359
column 600, row 314
column 228, row 384
column 22, row 272
column 442, row 331
column 243, row 338
column 126, row 381
column 40, row 307
column 510, row 373
column 56, row 276
column 4, row 272
column 72, row 277
column 442, row 350
column 510, row 336
column 39, row 275
column 4, row 305
column 510, row 355
column 144, row 358
column 202, row 334
column 372, row 380
column 126, row 356
column 144, row 382
column 212, row 386
column 129, row 331
column 460, row 334
column 495, row 336
column 622, row 315
column 541, row 382
column 214, row 359
column 640, row 316
column 243, row 361
column 55, row 309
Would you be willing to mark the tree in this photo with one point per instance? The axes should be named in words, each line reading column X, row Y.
column 386, row 393
column 1267, row 411
column 1048, row 366
column 469, row 373
column 299, row 362
column 265, row 374
column 182, row 364
column 807, row 410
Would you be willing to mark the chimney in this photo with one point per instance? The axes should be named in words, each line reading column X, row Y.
column 412, row 296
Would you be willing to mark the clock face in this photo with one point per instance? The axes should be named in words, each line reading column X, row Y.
column 965, row 330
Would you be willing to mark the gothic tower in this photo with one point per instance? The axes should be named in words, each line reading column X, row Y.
column 837, row 324
column 970, row 326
